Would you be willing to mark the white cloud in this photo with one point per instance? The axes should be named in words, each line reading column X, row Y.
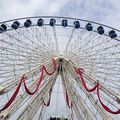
column 20, row 8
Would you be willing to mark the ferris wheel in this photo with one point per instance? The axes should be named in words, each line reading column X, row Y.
column 59, row 68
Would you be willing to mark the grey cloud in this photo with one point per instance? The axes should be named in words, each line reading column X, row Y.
column 103, row 11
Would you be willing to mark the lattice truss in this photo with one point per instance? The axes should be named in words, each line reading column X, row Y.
column 54, row 66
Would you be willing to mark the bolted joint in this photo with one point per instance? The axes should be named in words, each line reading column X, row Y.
column 2, row 90
column 118, row 99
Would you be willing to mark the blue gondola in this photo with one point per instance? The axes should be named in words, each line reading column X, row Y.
column 77, row 24
column 52, row 22
column 89, row 27
column 40, row 22
column 100, row 30
column 1, row 30
column 64, row 23
column 15, row 25
column 4, row 27
column 27, row 23
column 112, row 34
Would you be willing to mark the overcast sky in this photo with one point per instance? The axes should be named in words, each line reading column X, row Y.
column 103, row 11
